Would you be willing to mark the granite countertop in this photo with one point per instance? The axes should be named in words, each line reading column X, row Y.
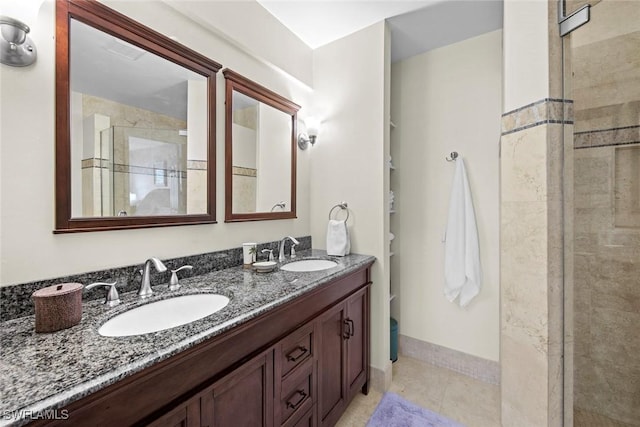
column 41, row 372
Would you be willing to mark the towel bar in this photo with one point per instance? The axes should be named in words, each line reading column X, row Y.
column 342, row 206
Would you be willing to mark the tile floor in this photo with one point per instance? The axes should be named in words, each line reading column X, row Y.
column 471, row 402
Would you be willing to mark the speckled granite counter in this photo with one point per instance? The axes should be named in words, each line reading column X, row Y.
column 40, row 372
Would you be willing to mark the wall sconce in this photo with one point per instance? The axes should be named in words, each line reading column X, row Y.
column 16, row 49
column 313, row 128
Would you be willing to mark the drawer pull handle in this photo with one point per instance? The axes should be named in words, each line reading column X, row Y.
column 302, row 351
column 351, row 327
column 303, row 396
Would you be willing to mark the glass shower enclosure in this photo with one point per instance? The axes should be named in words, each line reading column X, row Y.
column 143, row 172
column 601, row 67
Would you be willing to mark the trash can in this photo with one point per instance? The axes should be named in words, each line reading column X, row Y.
column 393, row 342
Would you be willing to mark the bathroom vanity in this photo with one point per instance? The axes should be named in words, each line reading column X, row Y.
column 290, row 349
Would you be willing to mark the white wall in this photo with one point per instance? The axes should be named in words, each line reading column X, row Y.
column 527, row 74
column 28, row 248
column 448, row 99
column 348, row 159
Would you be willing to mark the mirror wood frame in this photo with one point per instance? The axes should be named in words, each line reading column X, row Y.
column 236, row 82
column 105, row 19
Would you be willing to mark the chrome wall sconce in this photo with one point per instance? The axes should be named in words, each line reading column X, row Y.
column 313, row 128
column 16, row 49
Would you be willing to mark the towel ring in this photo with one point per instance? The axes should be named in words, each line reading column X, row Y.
column 342, row 206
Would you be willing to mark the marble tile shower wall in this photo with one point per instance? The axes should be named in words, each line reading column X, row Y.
column 15, row 300
column 531, row 262
column 606, row 288
column 606, row 302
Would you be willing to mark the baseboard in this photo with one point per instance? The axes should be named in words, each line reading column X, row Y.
column 467, row 364
column 381, row 378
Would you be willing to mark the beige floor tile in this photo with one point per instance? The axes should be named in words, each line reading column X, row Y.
column 471, row 402
column 419, row 382
column 461, row 398
column 360, row 410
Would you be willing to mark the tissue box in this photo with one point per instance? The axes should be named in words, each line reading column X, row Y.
column 58, row 307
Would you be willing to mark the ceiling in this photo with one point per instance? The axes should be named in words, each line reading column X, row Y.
column 416, row 25
column 108, row 67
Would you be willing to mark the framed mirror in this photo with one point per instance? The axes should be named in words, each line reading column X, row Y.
column 260, row 152
column 135, row 124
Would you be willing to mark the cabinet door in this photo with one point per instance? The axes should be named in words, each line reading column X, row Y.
column 358, row 342
column 185, row 415
column 243, row 398
column 331, row 364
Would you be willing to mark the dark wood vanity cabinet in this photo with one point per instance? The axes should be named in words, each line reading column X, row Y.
column 241, row 398
column 299, row 364
column 296, row 375
column 185, row 415
column 343, row 355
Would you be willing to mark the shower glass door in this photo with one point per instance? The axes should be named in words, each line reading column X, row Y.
column 602, row 217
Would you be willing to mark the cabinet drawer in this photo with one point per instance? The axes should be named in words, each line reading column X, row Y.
column 297, row 393
column 307, row 420
column 297, row 348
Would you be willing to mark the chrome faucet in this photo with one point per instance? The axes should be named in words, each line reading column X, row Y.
column 145, row 288
column 281, row 256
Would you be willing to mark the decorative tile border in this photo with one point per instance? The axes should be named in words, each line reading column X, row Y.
column 15, row 300
column 466, row 364
column 94, row 162
column 197, row 165
column 140, row 170
column 237, row 170
column 147, row 170
column 607, row 137
column 541, row 112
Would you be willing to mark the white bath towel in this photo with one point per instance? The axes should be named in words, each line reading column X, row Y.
column 462, row 270
column 338, row 242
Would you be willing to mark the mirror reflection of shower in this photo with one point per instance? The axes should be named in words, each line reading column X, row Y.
column 143, row 172
column 156, row 177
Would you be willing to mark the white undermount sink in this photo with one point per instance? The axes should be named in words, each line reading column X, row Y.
column 309, row 265
column 163, row 314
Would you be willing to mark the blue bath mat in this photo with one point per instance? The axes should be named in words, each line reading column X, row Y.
column 394, row 411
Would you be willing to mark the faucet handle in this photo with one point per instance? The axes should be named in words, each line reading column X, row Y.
column 112, row 299
column 293, row 250
column 173, row 282
column 270, row 253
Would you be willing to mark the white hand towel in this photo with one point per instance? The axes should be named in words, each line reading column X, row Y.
column 338, row 242
column 462, row 270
